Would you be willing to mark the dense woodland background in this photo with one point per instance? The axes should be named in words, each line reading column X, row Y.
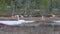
column 29, row 7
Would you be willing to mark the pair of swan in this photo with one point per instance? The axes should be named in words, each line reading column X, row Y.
column 16, row 22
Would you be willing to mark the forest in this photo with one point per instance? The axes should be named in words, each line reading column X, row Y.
column 29, row 7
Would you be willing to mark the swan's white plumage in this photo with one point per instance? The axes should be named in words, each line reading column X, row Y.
column 12, row 22
column 15, row 22
column 57, row 21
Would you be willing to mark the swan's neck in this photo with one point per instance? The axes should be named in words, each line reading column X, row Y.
column 18, row 17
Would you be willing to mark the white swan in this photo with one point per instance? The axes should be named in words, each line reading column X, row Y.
column 15, row 22
column 57, row 21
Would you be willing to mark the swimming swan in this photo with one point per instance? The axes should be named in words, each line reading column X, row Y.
column 58, row 21
column 15, row 22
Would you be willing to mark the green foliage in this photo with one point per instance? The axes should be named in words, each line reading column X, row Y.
column 7, row 6
column 34, row 13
